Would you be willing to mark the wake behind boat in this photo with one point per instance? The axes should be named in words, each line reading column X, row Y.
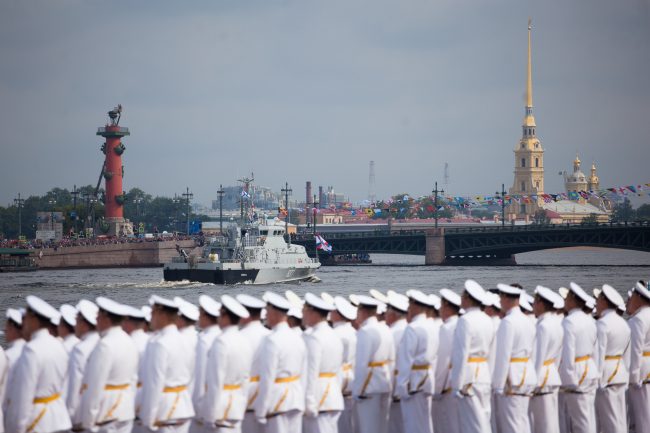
column 254, row 254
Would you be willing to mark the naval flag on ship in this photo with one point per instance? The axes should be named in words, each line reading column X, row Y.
column 321, row 244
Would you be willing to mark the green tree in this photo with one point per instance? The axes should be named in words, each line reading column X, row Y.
column 590, row 219
column 540, row 217
column 643, row 212
column 623, row 212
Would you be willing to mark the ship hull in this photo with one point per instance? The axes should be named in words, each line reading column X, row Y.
column 239, row 276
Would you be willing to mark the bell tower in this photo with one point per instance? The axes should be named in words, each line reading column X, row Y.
column 529, row 156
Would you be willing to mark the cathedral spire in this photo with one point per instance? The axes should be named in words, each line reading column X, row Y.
column 529, row 77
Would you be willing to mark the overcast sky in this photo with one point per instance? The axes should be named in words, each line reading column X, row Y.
column 300, row 90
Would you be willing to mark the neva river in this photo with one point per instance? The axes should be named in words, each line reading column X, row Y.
column 553, row 268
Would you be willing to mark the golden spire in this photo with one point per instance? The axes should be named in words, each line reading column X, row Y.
column 529, row 79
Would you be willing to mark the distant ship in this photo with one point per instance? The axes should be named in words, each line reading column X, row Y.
column 254, row 254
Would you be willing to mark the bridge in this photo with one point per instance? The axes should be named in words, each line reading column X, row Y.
column 485, row 245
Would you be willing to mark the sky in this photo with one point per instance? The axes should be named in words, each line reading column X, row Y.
column 297, row 90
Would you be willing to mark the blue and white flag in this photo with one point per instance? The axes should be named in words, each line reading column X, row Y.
column 321, row 244
column 245, row 194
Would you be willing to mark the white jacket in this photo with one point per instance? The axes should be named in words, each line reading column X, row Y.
column 578, row 369
column 443, row 363
column 165, row 394
column 324, row 362
column 203, row 346
column 34, row 400
column 471, row 350
column 348, row 336
column 110, row 380
column 254, row 332
column 613, row 355
column 4, row 371
column 229, row 360
column 190, row 338
column 548, row 352
column 375, row 355
column 640, row 350
column 416, row 358
column 514, row 369
column 76, row 368
column 281, row 370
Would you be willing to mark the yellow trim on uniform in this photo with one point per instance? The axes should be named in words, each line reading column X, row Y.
column 346, row 367
column 377, row 363
column 254, row 379
column 109, row 414
column 175, row 389
column 322, row 399
column 584, row 373
column 117, row 387
column 474, row 359
column 613, row 357
column 282, row 399
column 646, row 353
column 519, row 360
column 139, row 384
column 583, row 358
column 326, row 375
column 225, row 414
column 46, row 400
column 287, row 379
column 419, row 367
column 549, row 362
column 232, row 387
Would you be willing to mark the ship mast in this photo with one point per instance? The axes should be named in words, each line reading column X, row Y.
column 246, row 181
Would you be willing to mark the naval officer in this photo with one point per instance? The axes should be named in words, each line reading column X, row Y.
column 342, row 318
column 166, row 403
column 188, row 315
column 612, row 361
column 281, row 399
column 638, row 306
column 33, row 400
column 396, row 308
column 66, row 326
column 577, row 369
column 109, row 383
column 323, row 396
column 470, row 373
column 135, row 324
column 544, row 412
column 4, row 371
column 254, row 332
column 223, row 406
column 374, row 359
column 514, row 375
column 14, row 336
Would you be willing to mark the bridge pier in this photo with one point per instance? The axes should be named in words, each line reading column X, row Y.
column 435, row 247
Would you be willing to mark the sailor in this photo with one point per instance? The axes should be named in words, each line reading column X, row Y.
column 396, row 307
column 638, row 305
column 66, row 326
column 492, row 307
column 374, row 359
column 188, row 315
column 33, row 399
column 416, row 358
column 444, row 410
column 53, row 326
column 612, row 361
column 14, row 336
column 85, row 328
column 166, row 404
column 110, row 378
column 543, row 410
column 209, row 310
column 526, row 305
column 470, row 375
column 514, row 375
column 342, row 318
column 281, row 399
column 294, row 319
column 252, row 330
column 323, row 396
column 223, row 406
column 135, row 324
column 577, row 369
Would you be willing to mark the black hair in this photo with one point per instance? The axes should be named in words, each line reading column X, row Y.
column 321, row 313
column 517, row 285
column 113, row 318
column 234, row 319
column 455, row 307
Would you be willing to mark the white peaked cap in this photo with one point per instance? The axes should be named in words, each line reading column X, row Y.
column 491, row 299
column 295, row 312
column 249, row 301
column 42, row 308
column 159, row 300
column 563, row 292
column 449, row 296
column 293, row 298
column 596, row 291
column 613, row 296
column 550, row 296
column 475, row 290
column 68, row 314
column 435, row 301
column 642, row 290
column 210, row 305
column 354, row 299
column 524, row 304
column 584, row 296
column 379, row 296
column 232, row 305
column 327, row 297
column 508, row 289
column 135, row 313
column 88, row 311
column 419, row 297
column 345, row 308
column 278, row 301
column 381, row 308
column 398, row 301
column 318, row 302
column 15, row 316
column 187, row 309
column 112, row 307
column 528, row 297
column 146, row 310
column 366, row 301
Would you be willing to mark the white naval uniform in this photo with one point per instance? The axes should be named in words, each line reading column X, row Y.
column 348, row 336
column 544, row 413
column 578, row 371
column 69, row 342
column 470, row 372
column 222, row 407
column 138, row 426
column 140, row 338
column 323, row 397
column 612, row 361
column 203, row 346
column 395, row 422
column 254, row 332
column 444, row 409
column 34, row 400
column 14, row 350
column 416, row 361
column 281, row 399
column 166, row 403
column 514, row 375
column 373, row 376
column 76, row 368
column 109, row 384
column 639, row 392
column 190, row 339
column 4, row 372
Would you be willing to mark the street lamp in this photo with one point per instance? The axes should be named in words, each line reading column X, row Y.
column 52, row 202
column 75, row 193
column 502, row 196
column 137, row 200
column 176, row 200
column 435, row 203
column 20, row 203
column 187, row 195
